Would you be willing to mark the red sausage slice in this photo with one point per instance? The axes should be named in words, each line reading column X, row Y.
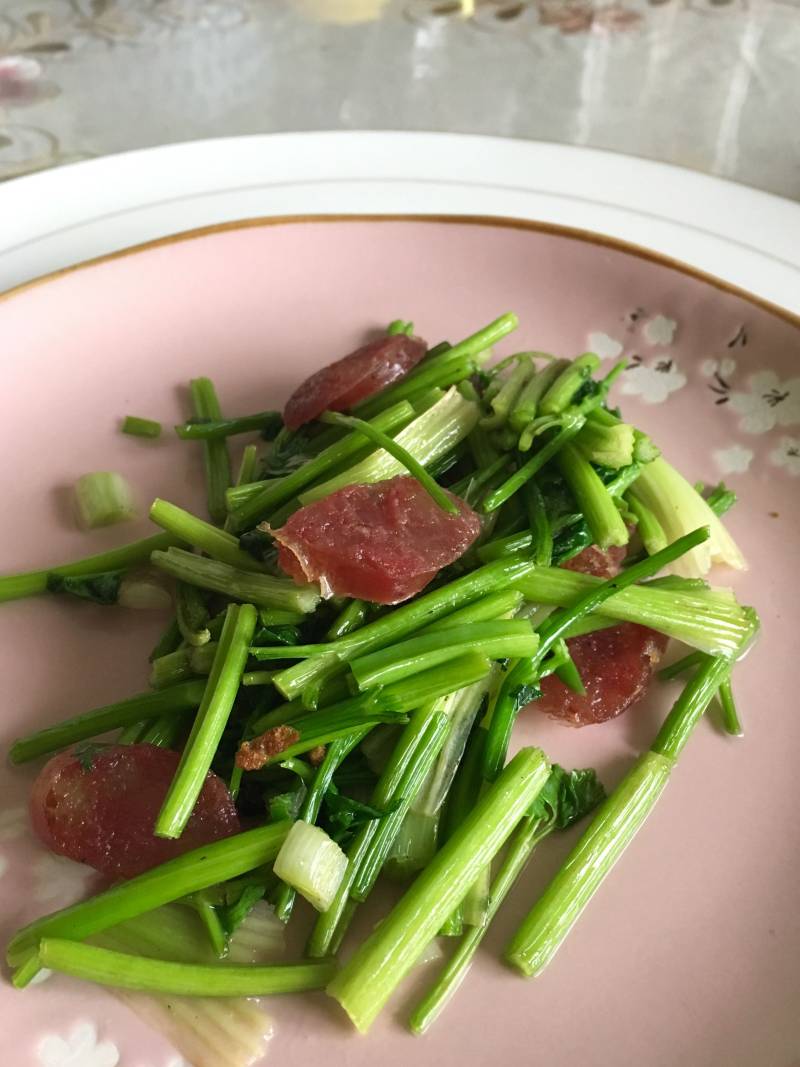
column 343, row 384
column 615, row 665
column 381, row 542
column 100, row 809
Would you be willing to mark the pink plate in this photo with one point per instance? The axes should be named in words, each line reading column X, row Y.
column 690, row 953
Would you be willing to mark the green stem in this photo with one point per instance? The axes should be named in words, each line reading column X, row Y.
column 352, row 615
column 188, row 528
column 260, row 589
column 521, row 845
column 370, row 976
column 31, row 583
column 559, row 396
column 594, row 500
column 212, row 717
column 406, row 619
column 690, row 707
column 568, row 427
column 217, row 429
column 173, row 701
column 730, row 716
column 649, row 528
column 137, row 427
column 195, row 870
column 215, row 452
column 278, row 491
column 686, row 663
column 123, row 971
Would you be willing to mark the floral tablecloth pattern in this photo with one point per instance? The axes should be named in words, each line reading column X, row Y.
column 707, row 84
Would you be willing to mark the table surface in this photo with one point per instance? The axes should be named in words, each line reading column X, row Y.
column 707, row 84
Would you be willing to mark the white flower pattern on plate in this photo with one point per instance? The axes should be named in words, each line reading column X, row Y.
column 659, row 330
column 733, row 460
column 80, row 1049
column 768, row 403
column 787, row 455
column 603, row 346
column 653, row 381
column 57, row 878
column 723, row 367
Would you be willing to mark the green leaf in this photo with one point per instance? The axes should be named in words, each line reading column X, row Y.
column 234, row 913
column 259, row 545
column 345, row 815
column 100, row 588
column 288, row 451
column 287, row 805
column 567, row 796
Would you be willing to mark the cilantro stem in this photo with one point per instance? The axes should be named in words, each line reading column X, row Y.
column 188, row 528
column 30, row 583
column 172, row 701
column 402, row 455
column 136, row 427
column 569, row 425
column 215, row 451
column 268, row 422
column 370, row 976
column 195, row 870
column 212, row 717
column 593, row 498
column 730, row 716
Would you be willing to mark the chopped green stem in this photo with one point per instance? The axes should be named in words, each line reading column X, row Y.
column 538, row 523
column 495, row 640
column 134, row 733
column 435, row 682
column 711, row 621
column 594, row 500
column 432, row 435
column 198, row 869
column 163, row 732
column 606, row 446
column 215, row 451
column 370, row 976
column 164, row 977
column 503, row 401
column 559, row 396
column 721, row 499
column 406, row 619
column 352, row 615
column 192, row 614
column 525, row 408
column 136, row 427
column 258, row 677
column 396, row 450
column 246, row 474
column 203, row 905
column 173, row 701
column 569, row 426
column 503, row 547
column 730, row 716
column 169, row 641
column 690, row 706
column 216, row 543
column 649, row 528
column 260, row 589
column 212, row 717
column 680, row 666
column 521, row 845
column 173, row 668
column 267, row 422
column 437, row 369
column 613, row 828
column 30, row 583
column 272, row 494
column 500, row 605
column 398, row 326
column 387, row 829
column 504, row 714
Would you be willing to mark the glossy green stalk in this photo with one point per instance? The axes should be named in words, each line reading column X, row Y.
column 598, row 506
column 407, row 619
column 648, row 527
column 195, row 870
column 614, row 826
column 500, row 605
column 352, row 615
column 217, row 429
column 568, row 426
column 559, row 396
column 210, row 539
column 123, row 971
column 215, row 451
column 278, row 491
column 136, row 427
column 435, row 682
column 538, row 523
column 260, row 589
column 192, row 615
column 503, row 401
column 212, row 717
column 246, row 474
column 370, row 976
column 398, row 452
column 31, row 583
column 685, row 663
column 526, row 407
column 173, row 701
column 730, row 716
column 494, row 640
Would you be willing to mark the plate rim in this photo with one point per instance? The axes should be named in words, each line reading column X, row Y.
column 586, row 236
